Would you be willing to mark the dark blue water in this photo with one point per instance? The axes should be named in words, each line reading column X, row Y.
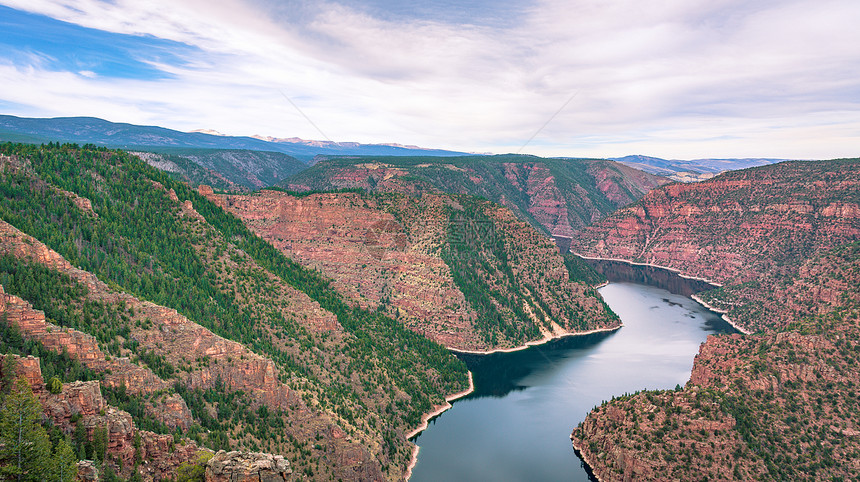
column 516, row 425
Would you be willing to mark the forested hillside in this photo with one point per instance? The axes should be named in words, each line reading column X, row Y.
column 228, row 170
column 458, row 269
column 270, row 347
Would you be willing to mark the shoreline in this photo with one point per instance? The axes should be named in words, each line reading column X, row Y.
column 589, row 467
column 695, row 298
column 722, row 314
column 542, row 341
column 425, row 422
column 425, row 419
column 674, row 270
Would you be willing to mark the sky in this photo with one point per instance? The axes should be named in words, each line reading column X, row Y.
column 681, row 79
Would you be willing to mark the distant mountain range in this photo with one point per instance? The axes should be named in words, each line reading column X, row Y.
column 91, row 130
column 222, row 154
column 693, row 170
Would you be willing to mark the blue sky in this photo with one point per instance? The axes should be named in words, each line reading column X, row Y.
column 62, row 46
column 674, row 78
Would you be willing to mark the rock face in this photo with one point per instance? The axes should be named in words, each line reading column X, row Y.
column 247, row 467
column 234, row 170
column 355, row 241
column 777, row 405
column 176, row 338
column 238, row 368
column 275, row 358
column 386, row 252
column 738, row 226
column 84, row 348
column 771, row 303
column 748, row 399
column 83, row 403
column 558, row 196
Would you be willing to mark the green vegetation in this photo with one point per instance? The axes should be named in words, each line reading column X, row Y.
column 136, row 239
column 496, row 178
column 476, row 254
column 26, row 450
column 778, row 405
column 228, row 169
column 580, row 270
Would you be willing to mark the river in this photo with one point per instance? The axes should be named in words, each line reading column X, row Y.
column 516, row 425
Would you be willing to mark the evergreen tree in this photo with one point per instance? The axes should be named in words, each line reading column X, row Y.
column 65, row 462
column 25, row 449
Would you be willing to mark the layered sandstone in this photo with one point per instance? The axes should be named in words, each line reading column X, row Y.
column 386, row 252
column 558, row 196
column 781, row 403
column 169, row 334
column 748, row 399
column 738, row 226
column 81, row 403
column 374, row 259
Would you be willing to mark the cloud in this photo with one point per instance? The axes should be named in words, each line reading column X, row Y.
column 674, row 79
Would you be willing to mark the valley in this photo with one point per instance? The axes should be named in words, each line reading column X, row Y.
column 316, row 324
column 778, row 404
column 376, row 241
column 315, row 327
column 557, row 196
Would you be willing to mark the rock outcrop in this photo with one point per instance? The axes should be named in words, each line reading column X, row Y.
column 247, row 467
column 171, row 335
column 737, row 226
column 81, row 403
column 373, row 258
column 386, row 252
column 776, row 405
column 558, row 196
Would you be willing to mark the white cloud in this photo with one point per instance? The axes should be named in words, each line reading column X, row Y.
column 673, row 79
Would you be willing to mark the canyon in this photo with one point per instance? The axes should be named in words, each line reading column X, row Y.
column 557, row 196
column 777, row 404
column 189, row 322
column 405, row 255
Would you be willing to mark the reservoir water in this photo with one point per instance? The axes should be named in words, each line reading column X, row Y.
column 516, row 425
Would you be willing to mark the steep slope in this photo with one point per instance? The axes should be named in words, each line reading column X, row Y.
column 103, row 432
column 263, row 352
column 777, row 405
column 737, row 226
column 229, row 169
column 462, row 271
column 557, row 196
column 79, row 408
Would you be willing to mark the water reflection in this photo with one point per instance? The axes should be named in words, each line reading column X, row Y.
column 497, row 374
column 516, row 426
column 671, row 281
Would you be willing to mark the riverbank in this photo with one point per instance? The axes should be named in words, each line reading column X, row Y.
column 722, row 314
column 542, row 341
column 425, row 421
column 588, row 466
column 526, row 402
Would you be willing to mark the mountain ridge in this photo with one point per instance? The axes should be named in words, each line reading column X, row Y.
column 556, row 196
column 692, row 170
column 93, row 130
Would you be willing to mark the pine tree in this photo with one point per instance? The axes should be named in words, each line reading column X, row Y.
column 65, row 462
column 25, row 449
